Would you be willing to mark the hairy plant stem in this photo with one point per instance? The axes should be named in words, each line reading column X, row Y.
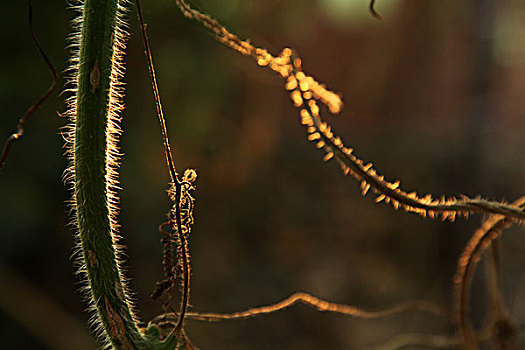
column 93, row 196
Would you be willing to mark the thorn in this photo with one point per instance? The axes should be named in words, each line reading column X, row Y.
column 328, row 156
column 368, row 166
column 427, row 199
column 314, row 136
column 380, row 198
column 395, row 185
column 365, row 189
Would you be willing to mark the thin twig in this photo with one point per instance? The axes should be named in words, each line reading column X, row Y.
column 158, row 103
column 389, row 192
column 20, row 129
column 174, row 177
column 305, row 91
column 480, row 241
column 316, row 303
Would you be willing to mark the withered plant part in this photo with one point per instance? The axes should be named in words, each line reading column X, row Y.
column 324, row 306
column 170, row 273
column 167, row 321
column 97, row 66
column 20, row 128
column 316, row 303
column 305, row 93
column 322, row 134
column 181, row 214
column 479, row 242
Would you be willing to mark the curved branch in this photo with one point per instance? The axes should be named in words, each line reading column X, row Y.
column 480, row 241
column 305, row 91
column 20, row 128
column 316, row 303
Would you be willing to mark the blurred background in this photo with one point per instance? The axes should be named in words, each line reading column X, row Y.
column 433, row 96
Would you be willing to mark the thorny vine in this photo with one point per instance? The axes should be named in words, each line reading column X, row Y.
column 306, row 94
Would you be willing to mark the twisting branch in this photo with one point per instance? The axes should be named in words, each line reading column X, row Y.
column 263, row 58
column 178, row 189
column 305, row 93
column 480, row 241
column 20, row 128
column 316, row 303
column 389, row 192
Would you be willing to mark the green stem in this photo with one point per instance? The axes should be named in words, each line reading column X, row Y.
column 95, row 162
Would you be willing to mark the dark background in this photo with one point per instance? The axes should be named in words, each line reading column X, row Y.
column 434, row 97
